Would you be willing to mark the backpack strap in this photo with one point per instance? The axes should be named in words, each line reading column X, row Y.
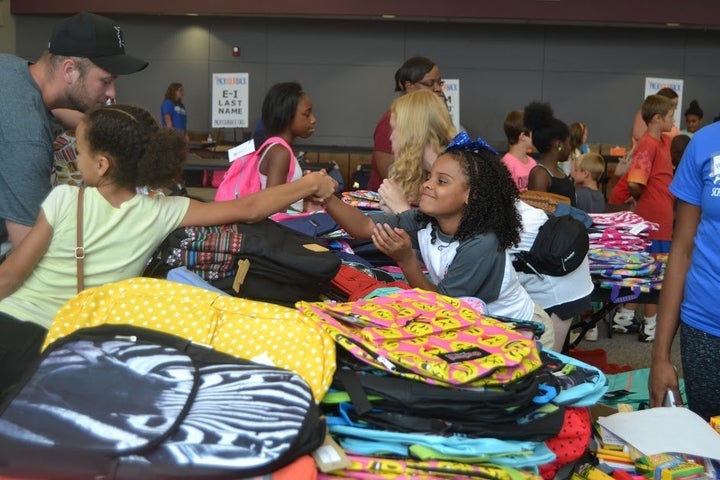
column 546, row 169
column 279, row 140
column 616, row 298
column 79, row 249
column 355, row 391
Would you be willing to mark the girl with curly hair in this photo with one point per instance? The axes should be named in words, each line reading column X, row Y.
column 120, row 148
column 464, row 224
column 421, row 129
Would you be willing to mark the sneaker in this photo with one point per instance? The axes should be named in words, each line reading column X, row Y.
column 647, row 332
column 645, row 337
column 624, row 321
column 592, row 335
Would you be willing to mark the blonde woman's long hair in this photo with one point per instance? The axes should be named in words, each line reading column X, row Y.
column 419, row 118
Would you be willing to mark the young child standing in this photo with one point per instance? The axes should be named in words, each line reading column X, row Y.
column 464, row 224
column 693, row 118
column 586, row 171
column 648, row 182
column 517, row 159
column 578, row 145
column 287, row 112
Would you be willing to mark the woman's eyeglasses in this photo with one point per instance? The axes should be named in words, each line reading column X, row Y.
column 432, row 84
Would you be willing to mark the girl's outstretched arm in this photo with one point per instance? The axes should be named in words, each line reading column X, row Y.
column 22, row 260
column 351, row 219
column 260, row 205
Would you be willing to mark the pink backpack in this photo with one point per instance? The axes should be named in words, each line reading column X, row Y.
column 243, row 176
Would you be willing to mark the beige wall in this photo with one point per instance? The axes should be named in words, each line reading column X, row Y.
column 7, row 28
column 591, row 74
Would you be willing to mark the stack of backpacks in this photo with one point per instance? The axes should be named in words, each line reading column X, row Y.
column 617, row 256
column 149, row 378
column 427, row 386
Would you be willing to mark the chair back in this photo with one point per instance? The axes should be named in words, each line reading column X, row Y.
column 543, row 200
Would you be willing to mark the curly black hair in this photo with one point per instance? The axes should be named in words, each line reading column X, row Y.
column 540, row 120
column 141, row 153
column 491, row 200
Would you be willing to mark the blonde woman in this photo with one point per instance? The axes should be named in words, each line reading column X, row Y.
column 421, row 129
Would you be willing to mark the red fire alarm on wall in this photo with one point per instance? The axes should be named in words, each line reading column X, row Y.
column 236, row 51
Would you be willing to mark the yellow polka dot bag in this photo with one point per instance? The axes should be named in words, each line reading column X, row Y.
column 428, row 337
column 265, row 333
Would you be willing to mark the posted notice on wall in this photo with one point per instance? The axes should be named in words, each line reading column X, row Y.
column 653, row 84
column 452, row 98
column 230, row 100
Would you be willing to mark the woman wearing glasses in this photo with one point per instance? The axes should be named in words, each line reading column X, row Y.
column 415, row 74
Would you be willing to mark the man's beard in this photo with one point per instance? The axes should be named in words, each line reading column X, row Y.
column 76, row 97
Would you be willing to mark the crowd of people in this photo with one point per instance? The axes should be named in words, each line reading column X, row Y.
column 452, row 216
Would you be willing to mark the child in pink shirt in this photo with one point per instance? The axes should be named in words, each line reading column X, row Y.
column 519, row 143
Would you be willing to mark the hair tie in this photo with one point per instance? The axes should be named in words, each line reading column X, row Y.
column 112, row 107
column 462, row 141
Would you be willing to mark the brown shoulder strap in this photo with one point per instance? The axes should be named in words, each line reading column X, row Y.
column 79, row 249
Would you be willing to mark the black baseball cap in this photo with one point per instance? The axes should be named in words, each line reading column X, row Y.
column 96, row 38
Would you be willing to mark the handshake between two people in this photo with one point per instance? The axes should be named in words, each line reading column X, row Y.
column 325, row 187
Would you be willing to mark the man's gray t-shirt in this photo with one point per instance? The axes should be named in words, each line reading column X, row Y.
column 27, row 132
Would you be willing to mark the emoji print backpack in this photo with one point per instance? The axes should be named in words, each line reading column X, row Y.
column 429, row 337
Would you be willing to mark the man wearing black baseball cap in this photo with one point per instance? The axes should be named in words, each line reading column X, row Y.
column 85, row 55
column 96, row 38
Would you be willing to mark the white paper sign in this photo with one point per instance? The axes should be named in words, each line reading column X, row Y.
column 452, row 98
column 241, row 150
column 665, row 430
column 230, row 100
column 652, row 85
